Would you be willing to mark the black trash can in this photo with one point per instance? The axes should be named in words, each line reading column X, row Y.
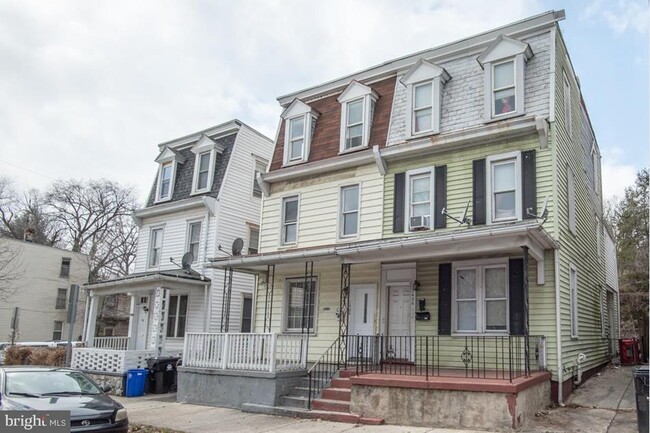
column 162, row 374
column 641, row 381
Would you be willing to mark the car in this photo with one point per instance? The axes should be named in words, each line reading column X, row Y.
column 55, row 388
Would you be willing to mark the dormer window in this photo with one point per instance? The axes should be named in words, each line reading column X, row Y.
column 300, row 120
column 503, row 63
column 357, row 110
column 168, row 161
column 206, row 151
column 424, row 83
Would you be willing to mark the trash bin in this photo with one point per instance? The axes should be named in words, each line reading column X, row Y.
column 641, row 381
column 135, row 380
column 162, row 374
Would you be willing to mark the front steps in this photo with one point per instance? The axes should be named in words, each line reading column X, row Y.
column 334, row 404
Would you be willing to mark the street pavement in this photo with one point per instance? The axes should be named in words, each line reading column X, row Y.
column 603, row 404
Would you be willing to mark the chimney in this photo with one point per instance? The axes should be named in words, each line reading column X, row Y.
column 29, row 235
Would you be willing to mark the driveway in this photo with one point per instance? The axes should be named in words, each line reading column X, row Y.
column 603, row 404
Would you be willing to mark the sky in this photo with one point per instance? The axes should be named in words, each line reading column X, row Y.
column 89, row 88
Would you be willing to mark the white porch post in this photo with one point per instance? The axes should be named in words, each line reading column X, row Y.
column 158, row 322
column 92, row 319
column 132, row 323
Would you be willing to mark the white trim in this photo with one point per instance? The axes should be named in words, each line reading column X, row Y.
column 367, row 102
column 195, row 177
column 188, row 234
column 285, row 305
column 210, row 204
column 218, row 131
column 339, row 224
column 178, row 305
column 407, row 191
column 258, row 162
column 153, row 228
column 406, row 277
column 519, row 86
column 283, row 200
column 573, row 301
column 496, row 159
column 244, row 295
column 172, row 178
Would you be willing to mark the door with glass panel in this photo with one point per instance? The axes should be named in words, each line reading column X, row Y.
column 481, row 299
column 400, row 315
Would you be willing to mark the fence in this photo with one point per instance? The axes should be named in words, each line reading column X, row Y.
column 114, row 343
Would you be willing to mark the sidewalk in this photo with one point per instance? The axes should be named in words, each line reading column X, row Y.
column 603, row 404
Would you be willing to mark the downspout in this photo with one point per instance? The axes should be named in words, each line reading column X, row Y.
column 579, row 360
column 558, row 326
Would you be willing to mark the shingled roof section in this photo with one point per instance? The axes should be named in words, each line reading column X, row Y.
column 326, row 139
column 185, row 172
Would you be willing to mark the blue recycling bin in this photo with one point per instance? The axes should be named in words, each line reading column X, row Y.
column 135, row 380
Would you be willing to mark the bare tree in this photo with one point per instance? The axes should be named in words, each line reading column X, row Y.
column 11, row 270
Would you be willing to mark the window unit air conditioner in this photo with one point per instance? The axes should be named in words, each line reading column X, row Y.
column 420, row 223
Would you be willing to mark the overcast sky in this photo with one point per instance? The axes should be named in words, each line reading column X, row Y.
column 89, row 88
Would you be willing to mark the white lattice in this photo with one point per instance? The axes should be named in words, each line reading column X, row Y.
column 110, row 361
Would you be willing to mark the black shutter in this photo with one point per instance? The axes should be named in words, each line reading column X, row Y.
column 517, row 308
column 440, row 197
column 478, row 195
column 528, row 184
column 444, row 299
column 398, row 203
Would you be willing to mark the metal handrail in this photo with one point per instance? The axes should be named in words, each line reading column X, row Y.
column 329, row 373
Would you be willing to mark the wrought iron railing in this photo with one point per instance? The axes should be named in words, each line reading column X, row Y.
column 490, row 357
column 321, row 373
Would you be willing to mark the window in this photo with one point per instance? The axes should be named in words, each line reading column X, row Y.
column 164, row 191
column 419, row 190
column 422, row 108
column 349, row 216
column 155, row 247
column 205, row 151
column 58, row 330
column 300, row 305
column 567, row 105
column 260, row 167
column 289, row 220
column 177, row 316
column 299, row 121
column 253, row 239
column 571, row 197
column 504, row 187
column 357, row 109
column 503, row 88
column 194, row 240
column 65, row 267
column 481, row 298
column 203, row 171
column 61, row 296
column 247, row 314
column 573, row 284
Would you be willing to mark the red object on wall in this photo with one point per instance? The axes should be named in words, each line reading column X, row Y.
column 629, row 350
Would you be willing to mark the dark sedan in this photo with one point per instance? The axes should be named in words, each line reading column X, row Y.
column 48, row 388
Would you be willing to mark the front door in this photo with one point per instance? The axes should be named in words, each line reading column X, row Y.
column 143, row 323
column 362, row 320
column 400, row 315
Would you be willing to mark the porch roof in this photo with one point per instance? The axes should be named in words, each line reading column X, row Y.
column 503, row 239
column 147, row 279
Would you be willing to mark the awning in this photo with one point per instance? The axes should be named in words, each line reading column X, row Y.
column 149, row 280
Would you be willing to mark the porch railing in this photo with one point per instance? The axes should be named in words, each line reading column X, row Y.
column 491, row 357
column 246, row 351
column 115, row 343
column 109, row 360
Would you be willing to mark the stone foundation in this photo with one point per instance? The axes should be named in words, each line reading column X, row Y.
column 116, row 380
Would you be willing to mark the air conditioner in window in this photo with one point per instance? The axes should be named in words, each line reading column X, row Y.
column 422, row 222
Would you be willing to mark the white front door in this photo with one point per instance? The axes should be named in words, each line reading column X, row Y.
column 400, row 316
column 362, row 319
column 143, row 323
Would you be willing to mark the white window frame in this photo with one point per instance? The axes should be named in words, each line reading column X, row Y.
column 480, row 266
column 424, row 72
column 298, row 109
column 341, row 219
column 172, row 174
column 568, row 111
column 495, row 90
column 347, row 126
column 431, row 107
column 241, row 318
column 188, row 237
column 573, row 300
column 251, row 228
column 283, row 223
column 175, row 335
column 407, row 202
column 571, row 200
column 259, row 166
column 60, row 331
column 285, row 305
column 496, row 160
column 151, row 246
column 195, row 177
column 354, row 93
column 289, row 139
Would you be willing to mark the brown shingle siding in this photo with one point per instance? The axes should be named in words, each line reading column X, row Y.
column 326, row 139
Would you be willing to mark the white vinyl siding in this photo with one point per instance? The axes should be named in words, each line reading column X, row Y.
column 571, row 197
column 573, row 291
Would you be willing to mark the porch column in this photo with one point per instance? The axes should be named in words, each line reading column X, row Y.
column 132, row 318
column 526, row 322
column 344, row 307
column 158, row 320
column 92, row 319
column 268, row 300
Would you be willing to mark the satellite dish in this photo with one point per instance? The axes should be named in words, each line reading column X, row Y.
column 463, row 219
column 541, row 215
column 186, row 261
column 544, row 210
column 237, row 246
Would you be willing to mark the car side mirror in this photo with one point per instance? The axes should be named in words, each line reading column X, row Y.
column 106, row 387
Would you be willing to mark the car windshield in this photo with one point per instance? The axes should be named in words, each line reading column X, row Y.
column 33, row 383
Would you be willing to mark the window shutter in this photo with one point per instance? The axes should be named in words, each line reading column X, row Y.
column 517, row 307
column 478, row 196
column 444, row 299
column 398, row 203
column 528, row 184
column 441, row 197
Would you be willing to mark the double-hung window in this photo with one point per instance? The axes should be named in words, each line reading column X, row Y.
column 260, row 167
column 354, row 125
column 194, row 239
column 481, row 298
column 164, row 192
column 422, row 108
column 420, row 199
column 155, row 247
column 424, row 83
column 504, row 187
column 203, row 171
column 299, row 123
column 177, row 316
column 503, row 88
column 290, row 220
column 357, row 110
column 300, row 304
column 57, row 332
column 205, row 152
column 61, row 295
column 253, row 239
column 297, row 139
column 65, row 267
column 349, row 212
